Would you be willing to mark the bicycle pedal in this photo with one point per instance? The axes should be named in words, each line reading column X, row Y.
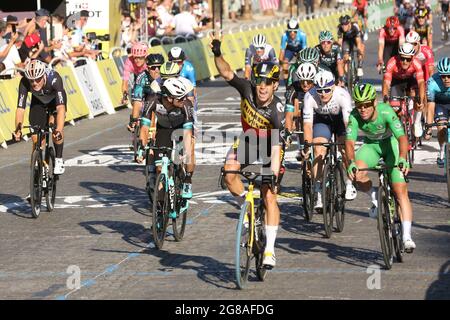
column 409, row 250
column 267, row 267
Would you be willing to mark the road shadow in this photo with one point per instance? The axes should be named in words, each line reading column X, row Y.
column 440, row 289
column 18, row 206
column 293, row 220
column 426, row 176
column 429, row 200
column 207, row 269
column 112, row 194
column 354, row 256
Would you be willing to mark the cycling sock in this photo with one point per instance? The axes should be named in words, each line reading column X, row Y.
column 373, row 195
column 348, row 182
column 59, row 150
column 418, row 117
column 240, row 199
column 271, row 235
column 406, row 225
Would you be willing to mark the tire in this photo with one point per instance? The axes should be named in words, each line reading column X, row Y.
column 260, row 244
column 179, row 223
column 447, row 168
column 307, row 190
column 36, row 183
column 350, row 79
column 50, row 194
column 160, row 214
column 328, row 196
column 136, row 134
column 243, row 252
column 384, row 228
column 397, row 232
column 340, row 197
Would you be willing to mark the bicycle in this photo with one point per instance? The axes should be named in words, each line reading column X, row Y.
column 447, row 152
column 250, row 232
column 333, row 188
column 135, row 141
column 407, row 118
column 350, row 70
column 42, row 178
column 444, row 26
column 388, row 219
column 167, row 200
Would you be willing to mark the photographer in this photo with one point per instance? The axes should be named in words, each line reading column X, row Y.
column 5, row 46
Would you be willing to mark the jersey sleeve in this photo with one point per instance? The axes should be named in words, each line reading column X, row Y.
column 273, row 56
column 138, row 90
column 345, row 102
column 303, row 41
column 278, row 120
column 243, row 86
column 23, row 94
column 381, row 36
column 429, row 55
column 283, row 41
column 127, row 69
column 393, row 122
column 418, row 70
column 149, row 106
column 389, row 70
column 191, row 74
column 188, row 108
column 57, row 84
column 431, row 89
column 248, row 57
column 308, row 108
column 352, row 128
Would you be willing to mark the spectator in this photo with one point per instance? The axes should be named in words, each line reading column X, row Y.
column 166, row 17
column 185, row 23
column 79, row 41
column 31, row 47
column 2, row 33
column 13, row 59
column 309, row 6
column 201, row 11
column 235, row 7
column 11, row 24
column 6, row 43
column 126, row 30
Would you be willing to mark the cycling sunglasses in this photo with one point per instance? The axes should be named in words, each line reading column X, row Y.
column 267, row 81
column 407, row 59
column 324, row 91
column 365, row 105
column 155, row 67
column 327, row 42
column 36, row 80
column 260, row 48
column 445, row 76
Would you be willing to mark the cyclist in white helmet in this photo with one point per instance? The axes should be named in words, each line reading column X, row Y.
column 47, row 95
column 326, row 111
column 259, row 51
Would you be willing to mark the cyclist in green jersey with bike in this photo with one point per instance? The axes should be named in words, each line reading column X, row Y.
column 384, row 137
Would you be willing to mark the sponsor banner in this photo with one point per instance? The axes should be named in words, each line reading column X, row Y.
column 111, row 77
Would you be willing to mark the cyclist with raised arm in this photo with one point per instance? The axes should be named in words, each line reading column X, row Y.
column 173, row 112
column 349, row 37
column 259, row 51
column 384, row 137
column 325, row 113
column 438, row 94
column 423, row 28
column 360, row 10
column 47, row 95
column 142, row 88
column 330, row 56
column 391, row 36
column 404, row 75
column 292, row 41
column 262, row 118
column 134, row 65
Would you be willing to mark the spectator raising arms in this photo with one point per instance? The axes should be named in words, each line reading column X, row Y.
column 185, row 23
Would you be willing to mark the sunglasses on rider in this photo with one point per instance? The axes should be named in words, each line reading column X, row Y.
column 324, row 91
column 365, row 105
column 36, row 80
column 407, row 59
column 153, row 68
column 267, row 81
column 445, row 76
column 260, row 48
column 327, row 42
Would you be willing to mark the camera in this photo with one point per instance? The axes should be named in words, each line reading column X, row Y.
column 92, row 36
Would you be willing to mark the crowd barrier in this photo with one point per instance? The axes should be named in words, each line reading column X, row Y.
column 95, row 87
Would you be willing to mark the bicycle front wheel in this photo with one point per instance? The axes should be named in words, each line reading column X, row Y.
column 397, row 232
column 328, row 196
column 307, row 190
column 243, row 247
column 136, row 134
column 50, row 193
column 384, row 228
column 260, row 241
column 160, row 214
column 181, row 206
column 36, row 183
column 339, row 197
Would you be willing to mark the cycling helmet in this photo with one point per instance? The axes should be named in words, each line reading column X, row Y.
column 187, row 83
column 364, row 92
column 259, row 41
column 324, row 79
column 139, row 50
column 420, row 13
column 344, row 19
column 392, row 22
column 309, row 55
column 325, row 36
column 306, row 71
column 267, row 69
column 176, row 53
column 412, row 37
column 443, row 66
column 407, row 49
column 154, row 59
column 35, row 69
column 292, row 25
column 175, row 88
column 169, row 69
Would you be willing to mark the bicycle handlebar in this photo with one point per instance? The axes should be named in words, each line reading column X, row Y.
column 382, row 167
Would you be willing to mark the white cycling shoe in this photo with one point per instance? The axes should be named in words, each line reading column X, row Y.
column 319, row 204
column 350, row 192
column 269, row 260
column 59, row 166
column 418, row 131
column 359, row 72
column 373, row 211
column 409, row 245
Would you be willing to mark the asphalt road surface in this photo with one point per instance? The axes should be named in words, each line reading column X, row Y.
column 101, row 226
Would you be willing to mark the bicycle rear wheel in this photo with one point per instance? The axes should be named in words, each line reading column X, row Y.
column 339, row 197
column 160, row 214
column 179, row 223
column 384, row 228
column 397, row 233
column 328, row 197
column 260, row 241
column 36, row 183
column 243, row 248
column 50, row 193
column 307, row 190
